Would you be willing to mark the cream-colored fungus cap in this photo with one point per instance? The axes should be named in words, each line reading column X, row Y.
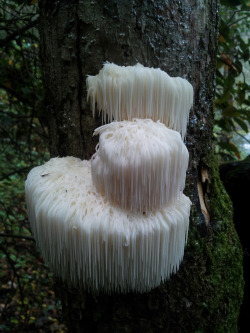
column 140, row 165
column 124, row 93
column 95, row 244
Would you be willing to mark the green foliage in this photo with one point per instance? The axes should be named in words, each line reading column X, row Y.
column 232, row 89
column 26, row 301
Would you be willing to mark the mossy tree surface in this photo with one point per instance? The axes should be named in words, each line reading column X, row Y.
column 180, row 38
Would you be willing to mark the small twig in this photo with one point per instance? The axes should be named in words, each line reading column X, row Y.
column 18, row 236
column 19, row 171
column 242, row 136
column 234, row 12
column 12, row 265
column 242, row 18
column 15, row 14
column 13, row 93
column 228, row 24
column 20, row 31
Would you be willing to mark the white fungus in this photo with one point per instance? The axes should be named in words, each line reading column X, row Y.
column 124, row 93
column 119, row 222
column 98, row 245
column 140, row 165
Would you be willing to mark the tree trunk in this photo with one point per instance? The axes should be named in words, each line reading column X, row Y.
column 180, row 37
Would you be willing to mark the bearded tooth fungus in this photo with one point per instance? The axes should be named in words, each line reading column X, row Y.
column 141, row 165
column 127, row 92
column 119, row 222
column 100, row 246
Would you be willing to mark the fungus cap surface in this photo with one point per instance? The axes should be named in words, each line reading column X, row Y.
column 140, row 165
column 96, row 245
column 124, row 93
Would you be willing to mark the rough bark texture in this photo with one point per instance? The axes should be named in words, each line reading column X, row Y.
column 180, row 38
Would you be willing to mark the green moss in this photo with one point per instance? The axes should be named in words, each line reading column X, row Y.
column 222, row 254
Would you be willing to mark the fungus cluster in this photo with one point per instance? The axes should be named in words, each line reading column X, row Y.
column 119, row 222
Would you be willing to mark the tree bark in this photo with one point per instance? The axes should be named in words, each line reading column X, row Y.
column 180, row 37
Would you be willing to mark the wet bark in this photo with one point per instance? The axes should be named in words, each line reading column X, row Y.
column 180, row 37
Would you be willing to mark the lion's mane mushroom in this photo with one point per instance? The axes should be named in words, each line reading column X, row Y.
column 124, row 93
column 119, row 222
column 95, row 244
column 141, row 165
